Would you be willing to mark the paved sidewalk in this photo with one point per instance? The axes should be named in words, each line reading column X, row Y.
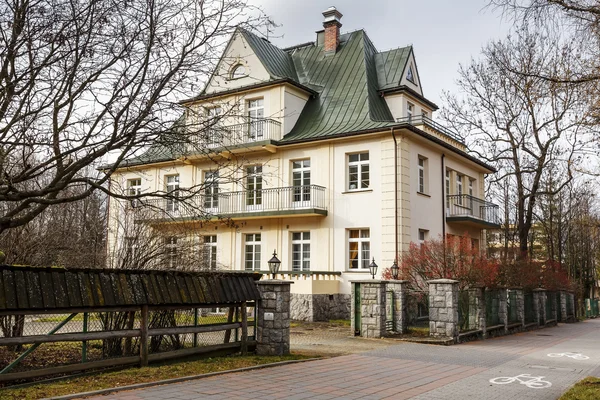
column 410, row 370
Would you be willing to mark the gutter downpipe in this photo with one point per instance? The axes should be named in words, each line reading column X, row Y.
column 395, row 194
column 443, row 200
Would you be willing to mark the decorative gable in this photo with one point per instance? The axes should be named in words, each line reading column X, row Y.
column 411, row 74
column 238, row 67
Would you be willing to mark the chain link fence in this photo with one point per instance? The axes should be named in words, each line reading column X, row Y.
column 512, row 307
column 492, row 308
column 530, row 317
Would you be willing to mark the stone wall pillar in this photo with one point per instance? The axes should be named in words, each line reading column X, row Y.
column 443, row 308
column 539, row 303
column 503, row 308
column 572, row 317
column 477, row 308
column 400, row 318
column 520, row 296
column 372, row 309
column 562, row 304
column 273, row 327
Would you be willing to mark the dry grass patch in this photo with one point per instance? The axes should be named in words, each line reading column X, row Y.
column 586, row 389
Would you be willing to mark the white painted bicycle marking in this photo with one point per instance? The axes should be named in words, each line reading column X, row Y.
column 575, row 356
column 532, row 382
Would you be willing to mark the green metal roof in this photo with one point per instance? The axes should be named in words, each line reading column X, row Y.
column 277, row 62
column 390, row 66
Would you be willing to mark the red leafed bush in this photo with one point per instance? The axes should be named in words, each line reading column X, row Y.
column 454, row 258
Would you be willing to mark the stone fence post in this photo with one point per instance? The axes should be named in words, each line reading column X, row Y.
column 443, row 308
column 477, row 304
column 520, row 297
column 372, row 308
column 273, row 327
column 539, row 303
column 562, row 306
column 503, row 308
column 399, row 292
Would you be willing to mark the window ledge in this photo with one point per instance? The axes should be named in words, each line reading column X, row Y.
column 358, row 271
column 423, row 194
column 357, row 191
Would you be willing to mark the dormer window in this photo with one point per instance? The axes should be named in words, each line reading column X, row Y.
column 409, row 75
column 238, row 71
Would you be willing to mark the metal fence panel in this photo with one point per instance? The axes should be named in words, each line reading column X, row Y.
column 492, row 308
column 529, row 308
column 512, row 307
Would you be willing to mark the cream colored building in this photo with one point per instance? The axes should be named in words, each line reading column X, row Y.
column 326, row 152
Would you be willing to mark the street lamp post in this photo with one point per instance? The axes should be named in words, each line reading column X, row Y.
column 274, row 264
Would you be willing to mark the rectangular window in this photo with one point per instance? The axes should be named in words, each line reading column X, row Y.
column 252, row 252
column 447, row 189
column 256, row 120
column 423, row 233
column 254, row 185
column 358, row 171
column 422, row 171
column 209, row 252
column 359, row 246
column 301, row 180
column 213, row 133
column 425, row 114
column 459, row 189
column 134, row 187
column 471, row 187
column 301, row 251
column 172, row 189
column 410, row 110
column 171, row 252
column 211, row 190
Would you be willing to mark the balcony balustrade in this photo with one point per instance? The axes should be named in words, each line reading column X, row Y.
column 470, row 209
column 420, row 120
column 250, row 131
column 302, row 200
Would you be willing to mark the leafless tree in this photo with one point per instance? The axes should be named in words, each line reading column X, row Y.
column 525, row 125
column 83, row 83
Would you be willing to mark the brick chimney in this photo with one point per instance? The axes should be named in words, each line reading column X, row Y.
column 332, row 27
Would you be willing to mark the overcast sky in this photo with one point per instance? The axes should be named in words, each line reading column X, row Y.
column 444, row 33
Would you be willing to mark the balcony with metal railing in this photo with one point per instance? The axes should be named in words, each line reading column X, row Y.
column 307, row 200
column 430, row 126
column 249, row 132
column 470, row 210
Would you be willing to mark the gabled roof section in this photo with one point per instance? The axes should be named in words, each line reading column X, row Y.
column 390, row 66
column 278, row 63
column 347, row 86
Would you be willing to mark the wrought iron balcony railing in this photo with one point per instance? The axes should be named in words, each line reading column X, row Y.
column 464, row 205
column 250, row 131
column 417, row 120
column 275, row 200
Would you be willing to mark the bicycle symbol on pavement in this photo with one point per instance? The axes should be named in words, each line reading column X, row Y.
column 533, row 382
column 574, row 356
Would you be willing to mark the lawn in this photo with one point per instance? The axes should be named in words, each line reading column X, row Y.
column 586, row 389
column 139, row 375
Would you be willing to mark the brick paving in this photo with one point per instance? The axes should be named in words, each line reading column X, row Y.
column 408, row 370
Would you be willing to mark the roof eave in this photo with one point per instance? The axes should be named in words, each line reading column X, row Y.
column 406, row 89
column 250, row 87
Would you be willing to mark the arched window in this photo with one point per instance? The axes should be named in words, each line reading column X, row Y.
column 238, row 71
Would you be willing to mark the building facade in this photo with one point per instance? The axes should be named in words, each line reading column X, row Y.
column 326, row 152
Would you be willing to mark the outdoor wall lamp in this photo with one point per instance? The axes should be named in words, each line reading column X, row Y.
column 395, row 270
column 373, row 268
column 274, row 264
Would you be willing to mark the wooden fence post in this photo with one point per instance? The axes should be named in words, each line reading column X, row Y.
column 229, row 321
column 144, row 337
column 244, row 329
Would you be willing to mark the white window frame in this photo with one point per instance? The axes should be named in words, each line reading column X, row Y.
column 301, row 251
column 424, row 114
column 234, row 74
column 172, row 186
column 422, row 175
column 134, row 186
column 252, row 241
column 410, row 110
column 448, row 186
column 423, row 236
column 213, row 136
column 254, row 187
column 360, row 167
column 301, row 182
column 171, row 251
column 209, row 249
column 363, row 246
column 211, row 190
column 255, row 111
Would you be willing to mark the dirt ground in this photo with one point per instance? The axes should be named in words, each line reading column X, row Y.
column 331, row 339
